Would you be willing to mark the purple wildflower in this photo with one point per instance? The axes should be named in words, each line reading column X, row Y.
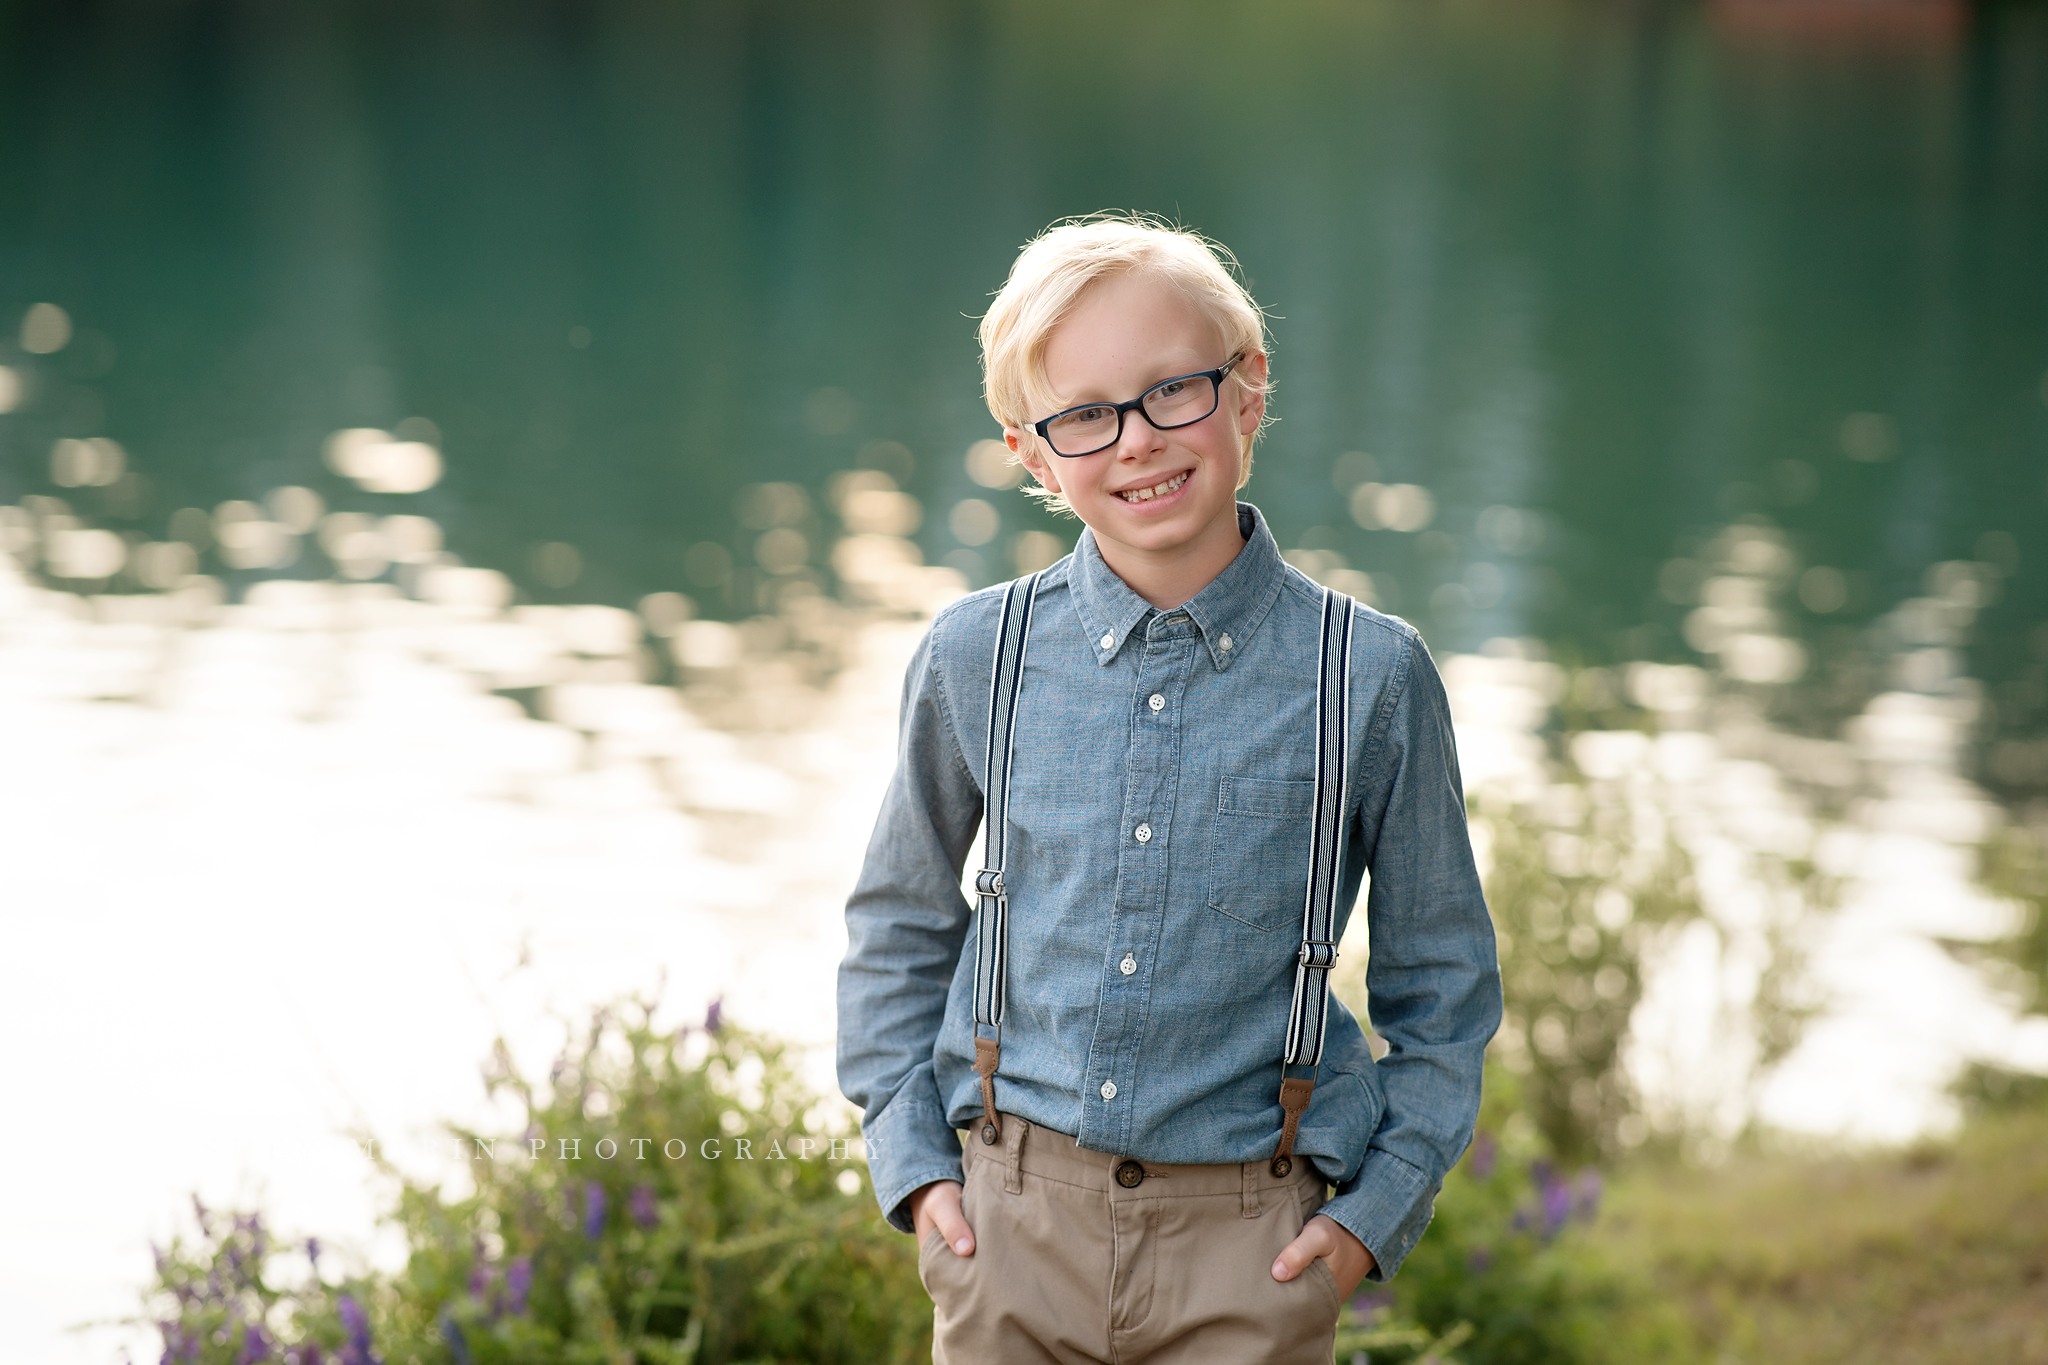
column 458, row 1344
column 518, row 1280
column 309, row 1354
column 255, row 1346
column 313, row 1253
column 480, row 1277
column 1484, row 1150
column 180, row 1343
column 715, row 1016
column 1587, row 1200
column 205, row 1218
column 1557, row 1205
column 594, row 1206
column 1480, row 1259
column 1368, row 1303
column 645, row 1211
column 357, row 1323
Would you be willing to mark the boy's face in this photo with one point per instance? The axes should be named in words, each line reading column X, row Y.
column 1125, row 334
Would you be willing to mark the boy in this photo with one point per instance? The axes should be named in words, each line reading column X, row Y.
column 1190, row 755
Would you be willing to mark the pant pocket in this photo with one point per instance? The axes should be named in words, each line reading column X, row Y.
column 1320, row 1270
column 934, row 1244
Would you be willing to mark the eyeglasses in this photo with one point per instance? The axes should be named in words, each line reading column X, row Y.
column 1180, row 401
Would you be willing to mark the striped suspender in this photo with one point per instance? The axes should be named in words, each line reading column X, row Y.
column 992, row 899
column 1318, row 953
column 1309, row 1015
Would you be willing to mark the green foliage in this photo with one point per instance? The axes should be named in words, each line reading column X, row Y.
column 2014, row 864
column 232, row 1295
column 1798, row 1255
column 580, row 1246
column 1506, row 1275
column 1577, row 883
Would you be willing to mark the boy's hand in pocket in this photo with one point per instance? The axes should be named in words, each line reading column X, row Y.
column 1349, row 1261
column 937, row 1205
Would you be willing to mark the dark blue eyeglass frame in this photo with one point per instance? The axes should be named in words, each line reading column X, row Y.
column 1215, row 376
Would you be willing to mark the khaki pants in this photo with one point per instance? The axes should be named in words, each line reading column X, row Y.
column 1075, row 1265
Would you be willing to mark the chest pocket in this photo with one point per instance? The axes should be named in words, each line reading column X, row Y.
column 1258, row 859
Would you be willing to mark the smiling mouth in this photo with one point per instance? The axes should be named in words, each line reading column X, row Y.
column 1157, row 490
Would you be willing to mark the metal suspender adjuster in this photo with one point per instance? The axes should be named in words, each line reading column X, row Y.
column 1319, row 954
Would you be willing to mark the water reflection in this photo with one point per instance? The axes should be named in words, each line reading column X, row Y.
column 507, row 808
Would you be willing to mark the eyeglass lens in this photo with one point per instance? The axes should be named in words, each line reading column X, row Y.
column 1176, row 403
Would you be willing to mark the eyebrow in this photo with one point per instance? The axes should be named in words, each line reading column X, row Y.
column 1165, row 373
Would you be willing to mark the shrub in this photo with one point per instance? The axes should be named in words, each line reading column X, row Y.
column 1505, row 1275
column 590, row 1249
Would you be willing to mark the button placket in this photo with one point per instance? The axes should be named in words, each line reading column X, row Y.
column 1159, row 667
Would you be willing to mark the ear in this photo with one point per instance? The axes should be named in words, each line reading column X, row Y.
column 1032, row 458
column 1251, row 403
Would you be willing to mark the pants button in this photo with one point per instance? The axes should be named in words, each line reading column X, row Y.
column 1130, row 1175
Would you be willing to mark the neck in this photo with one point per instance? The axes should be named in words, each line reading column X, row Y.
column 1168, row 578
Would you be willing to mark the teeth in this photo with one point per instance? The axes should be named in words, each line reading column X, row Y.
column 1157, row 490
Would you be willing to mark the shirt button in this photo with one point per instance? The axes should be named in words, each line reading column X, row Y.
column 1108, row 640
column 1143, row 834
column 1129, row 964
column 1109, row 1090
column 1225, row 642
column 1155, row 701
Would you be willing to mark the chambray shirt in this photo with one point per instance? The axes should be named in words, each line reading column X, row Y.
column 1158, row 862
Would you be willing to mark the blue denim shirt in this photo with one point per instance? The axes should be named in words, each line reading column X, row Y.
column 1199, row 723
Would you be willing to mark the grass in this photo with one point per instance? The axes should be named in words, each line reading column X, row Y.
column 1934, row 1254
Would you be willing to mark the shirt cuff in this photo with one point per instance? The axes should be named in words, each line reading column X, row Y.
column 909, row 1145
column 1386, row 1206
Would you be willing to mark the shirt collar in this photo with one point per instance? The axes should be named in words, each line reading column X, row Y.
column 1228, row 611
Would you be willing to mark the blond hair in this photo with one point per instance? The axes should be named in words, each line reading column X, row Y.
column 1054, row 269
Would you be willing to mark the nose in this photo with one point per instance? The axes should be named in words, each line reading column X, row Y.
column 1140, row 439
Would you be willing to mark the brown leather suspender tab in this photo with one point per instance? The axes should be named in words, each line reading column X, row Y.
column 987, row 1052
column 1294, row 1095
